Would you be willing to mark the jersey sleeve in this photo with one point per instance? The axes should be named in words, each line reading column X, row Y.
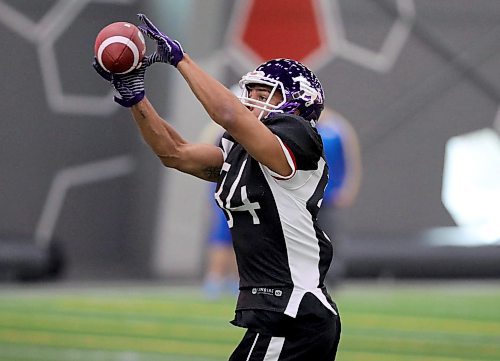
column 302, row 143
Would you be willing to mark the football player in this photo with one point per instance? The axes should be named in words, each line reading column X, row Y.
column 271, row 175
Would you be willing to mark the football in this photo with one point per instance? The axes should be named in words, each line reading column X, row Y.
column 119, row 47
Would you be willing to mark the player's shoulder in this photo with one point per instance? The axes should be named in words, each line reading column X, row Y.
column 298, row 134
column 290, row 120
column 291, row 124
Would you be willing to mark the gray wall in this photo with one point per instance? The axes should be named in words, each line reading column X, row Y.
column 444, row 83
column 70, row 158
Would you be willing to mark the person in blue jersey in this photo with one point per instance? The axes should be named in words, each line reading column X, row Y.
column 221, row 275
column 271, row 174
column 343, row 154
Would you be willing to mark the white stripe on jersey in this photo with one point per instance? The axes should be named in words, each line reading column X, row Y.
column 302, row 245
column 274, row 349
column 226, row 146
column 225, row 168
column 234, row 185
column 253, row 346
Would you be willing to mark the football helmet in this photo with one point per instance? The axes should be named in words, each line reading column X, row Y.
column 299, row 86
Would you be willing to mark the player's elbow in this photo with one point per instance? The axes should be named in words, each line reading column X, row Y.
column 170, row 157
column 227, row 112
column 170, row 160
column 223, row 115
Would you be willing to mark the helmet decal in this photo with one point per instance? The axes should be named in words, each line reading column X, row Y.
column 306, row 90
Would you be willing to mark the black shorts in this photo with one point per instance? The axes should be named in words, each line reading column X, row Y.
column 313, row 335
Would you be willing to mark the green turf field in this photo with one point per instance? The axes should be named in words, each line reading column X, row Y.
column 424, row 322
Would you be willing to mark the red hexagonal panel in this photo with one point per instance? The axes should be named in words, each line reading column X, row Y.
column 282, row 28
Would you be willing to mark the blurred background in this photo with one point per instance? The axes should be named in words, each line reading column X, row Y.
column 82, row 198
column 417, row 80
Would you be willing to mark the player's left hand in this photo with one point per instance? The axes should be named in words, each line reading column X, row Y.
column 168, row 50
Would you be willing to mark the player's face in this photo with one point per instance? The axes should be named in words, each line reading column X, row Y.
column 261, row 93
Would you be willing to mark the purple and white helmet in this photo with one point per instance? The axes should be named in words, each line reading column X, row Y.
column 299, row 86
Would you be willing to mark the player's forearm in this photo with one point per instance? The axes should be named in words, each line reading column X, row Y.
column 219, row 102
column 158, row 134
column 201, row 160
column 228, row 111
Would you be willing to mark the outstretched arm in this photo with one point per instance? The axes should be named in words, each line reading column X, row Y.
column 221, row 104
column 227, row 111
column 201, row 160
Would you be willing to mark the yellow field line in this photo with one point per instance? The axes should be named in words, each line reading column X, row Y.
column 371, row 356
column 428, row 346
column 100, row 342
column 223, row 330
column 414, row 323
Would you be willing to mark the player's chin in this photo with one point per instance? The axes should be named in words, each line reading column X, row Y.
column 259, row 113
column 255, row 111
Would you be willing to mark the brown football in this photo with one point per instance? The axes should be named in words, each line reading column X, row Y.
column 119, row 47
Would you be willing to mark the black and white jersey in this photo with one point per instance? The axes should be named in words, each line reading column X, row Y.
column 282, row 253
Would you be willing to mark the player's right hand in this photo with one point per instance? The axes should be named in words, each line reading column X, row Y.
column 168, row 50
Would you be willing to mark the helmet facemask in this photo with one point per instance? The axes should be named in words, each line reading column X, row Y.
column 257, row 77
